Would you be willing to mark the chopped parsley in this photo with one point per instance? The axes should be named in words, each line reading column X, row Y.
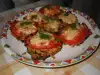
column 44, row 36
column 47, row 18
column 73, row 26
column 25, row 23
column 50, row 19
column 33, row 16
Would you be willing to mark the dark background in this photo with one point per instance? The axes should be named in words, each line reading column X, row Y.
column 90, row 7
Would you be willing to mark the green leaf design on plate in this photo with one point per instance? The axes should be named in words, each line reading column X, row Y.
column 97, row 36
column 7, row 46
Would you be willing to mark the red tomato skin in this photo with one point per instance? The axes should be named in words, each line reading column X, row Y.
column 52, row 44
column 15, row 31
column 78, row 39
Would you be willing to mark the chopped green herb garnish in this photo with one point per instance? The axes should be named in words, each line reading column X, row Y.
column 47, row 18
column 73, row 26
column 25, row 23
column 44, row 36
column 33, row 16
column 97, row 36
column 50, row 19
column 56, row 19
column 6, row 45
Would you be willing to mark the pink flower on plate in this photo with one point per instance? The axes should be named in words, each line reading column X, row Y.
column 52, row 64
column 4, row 35
column 36, row 62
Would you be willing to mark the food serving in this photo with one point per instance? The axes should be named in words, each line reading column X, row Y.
column 45, row 31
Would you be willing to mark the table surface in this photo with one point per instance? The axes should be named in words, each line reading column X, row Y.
column 8, row 66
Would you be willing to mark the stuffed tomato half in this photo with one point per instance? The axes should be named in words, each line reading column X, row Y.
column 74, row 34
column 51, row 10
column 22, row 29
column 42, row 45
